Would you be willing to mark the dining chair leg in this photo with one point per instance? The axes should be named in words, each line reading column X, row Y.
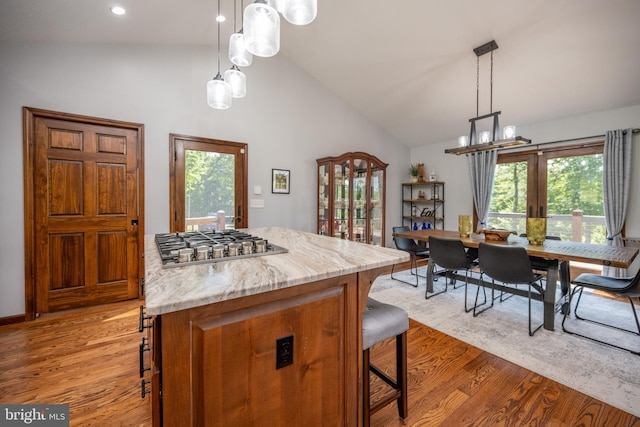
column 567, row 310
column 413, row 269
column 466, row 286
column 430, row 279
column 475, row 306
column 533, row 331
column 633, row 309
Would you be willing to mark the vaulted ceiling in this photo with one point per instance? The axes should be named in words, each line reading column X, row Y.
column 408, row 65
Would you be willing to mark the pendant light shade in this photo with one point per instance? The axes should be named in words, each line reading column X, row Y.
column 237, row 80
column 237, row 52
column 261, row 29
column 300, row 12
column 277, row 4
column 218, row 93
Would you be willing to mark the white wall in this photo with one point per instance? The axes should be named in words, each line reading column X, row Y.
column 454, row 170
column 288, row 119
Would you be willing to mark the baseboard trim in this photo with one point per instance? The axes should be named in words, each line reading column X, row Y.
column 12, row 319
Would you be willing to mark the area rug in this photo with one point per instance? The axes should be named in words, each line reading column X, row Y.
column 600, row 371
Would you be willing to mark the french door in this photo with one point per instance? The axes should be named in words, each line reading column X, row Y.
column 562, row 184
column 208, row 184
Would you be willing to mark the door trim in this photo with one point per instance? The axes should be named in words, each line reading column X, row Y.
column 29, row 116
column 176, row 195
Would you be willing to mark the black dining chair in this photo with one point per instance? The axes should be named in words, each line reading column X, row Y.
column 542, row 265
column 627, row 288
column 511, row 266
column 415, row 251
column 539, row 263
column 451, row 256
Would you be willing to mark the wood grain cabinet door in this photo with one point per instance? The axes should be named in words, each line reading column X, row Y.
column 86, row 213
column 220, row 362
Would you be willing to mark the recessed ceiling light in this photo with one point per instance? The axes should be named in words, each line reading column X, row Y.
column 221, row 18
column 117, row 10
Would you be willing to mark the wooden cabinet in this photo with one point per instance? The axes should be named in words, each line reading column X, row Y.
column 351, row 197
column 423, row 205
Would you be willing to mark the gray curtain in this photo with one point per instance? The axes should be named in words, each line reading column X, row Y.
column 616, row 179
column 482, row 167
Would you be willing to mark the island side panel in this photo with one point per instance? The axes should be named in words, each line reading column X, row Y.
column 219, row 361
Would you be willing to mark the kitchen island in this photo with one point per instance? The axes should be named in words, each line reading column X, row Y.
column 273, row 340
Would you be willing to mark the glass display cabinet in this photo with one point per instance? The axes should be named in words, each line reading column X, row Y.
column 351, row 197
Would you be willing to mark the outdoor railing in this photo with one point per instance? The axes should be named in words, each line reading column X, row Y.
column 576, row 227
column 207, row 223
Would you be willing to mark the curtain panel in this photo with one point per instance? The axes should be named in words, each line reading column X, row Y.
column 482, row 168
column 616, row 180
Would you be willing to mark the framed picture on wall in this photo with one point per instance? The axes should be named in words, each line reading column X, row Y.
column 280, row 181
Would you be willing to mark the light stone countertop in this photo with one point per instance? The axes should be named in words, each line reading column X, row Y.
column 311, row 257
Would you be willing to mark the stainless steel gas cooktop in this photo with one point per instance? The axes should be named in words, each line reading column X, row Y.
column 197, row 247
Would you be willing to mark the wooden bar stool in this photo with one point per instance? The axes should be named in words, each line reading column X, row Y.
column 379, row 323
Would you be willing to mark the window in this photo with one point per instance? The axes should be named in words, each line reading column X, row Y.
column 563, row 185
column 208, row 184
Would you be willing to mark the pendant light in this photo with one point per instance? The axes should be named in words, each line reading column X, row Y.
column 237, row 52
column 277, row 4
column 218, row 91
column 300, row 12
column 261, row 29
column 237, row 80
column 487, row 140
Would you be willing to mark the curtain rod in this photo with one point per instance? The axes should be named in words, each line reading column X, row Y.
column 635, row 130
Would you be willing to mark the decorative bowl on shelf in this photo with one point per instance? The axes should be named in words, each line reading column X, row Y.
column 496, row 233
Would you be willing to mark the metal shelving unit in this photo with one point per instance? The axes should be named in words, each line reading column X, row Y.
column 423, row 204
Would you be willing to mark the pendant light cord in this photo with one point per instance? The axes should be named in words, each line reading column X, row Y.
column 218, row 22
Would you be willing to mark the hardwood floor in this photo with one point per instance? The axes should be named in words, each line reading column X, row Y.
column 452, row 383
column 88, row 358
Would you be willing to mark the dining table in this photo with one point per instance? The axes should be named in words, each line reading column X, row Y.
column 559, row 253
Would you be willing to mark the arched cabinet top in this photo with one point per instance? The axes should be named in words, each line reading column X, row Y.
column 353, row 155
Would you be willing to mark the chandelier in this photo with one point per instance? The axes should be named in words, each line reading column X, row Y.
column 259, row 35
column 487, row 140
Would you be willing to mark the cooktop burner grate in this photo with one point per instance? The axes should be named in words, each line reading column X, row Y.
column 198, row 247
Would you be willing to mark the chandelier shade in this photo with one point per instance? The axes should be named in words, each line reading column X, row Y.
column 261, row 29
column 218, row 93
column 300, row 12
column 237, row 80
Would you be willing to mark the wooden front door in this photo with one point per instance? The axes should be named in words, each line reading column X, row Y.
column 83, row 190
